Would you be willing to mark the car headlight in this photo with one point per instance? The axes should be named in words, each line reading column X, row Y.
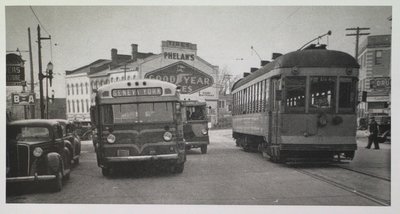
column 204, row 131
column 37, row 152
column 167, row 136
column 111, row 138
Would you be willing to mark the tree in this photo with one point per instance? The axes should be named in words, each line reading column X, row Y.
column 226, row 80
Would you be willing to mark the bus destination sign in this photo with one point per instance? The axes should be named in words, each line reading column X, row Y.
column 132, row 92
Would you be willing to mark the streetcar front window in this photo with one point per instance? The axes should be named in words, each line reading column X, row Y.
column 347, row 94
column 134, row 113
column 322, row 94
column 295, row 94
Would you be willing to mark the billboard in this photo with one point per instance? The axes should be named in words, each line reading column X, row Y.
column 180, row 73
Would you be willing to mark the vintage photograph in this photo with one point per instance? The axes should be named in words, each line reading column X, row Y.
column 267, row 105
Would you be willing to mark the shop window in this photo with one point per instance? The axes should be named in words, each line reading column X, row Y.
column 378, row 57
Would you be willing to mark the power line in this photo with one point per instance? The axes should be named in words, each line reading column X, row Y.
column 40, row 23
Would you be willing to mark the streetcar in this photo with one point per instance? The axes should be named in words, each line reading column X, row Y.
column 138, row 121
column 299, row 107
column 195, row 125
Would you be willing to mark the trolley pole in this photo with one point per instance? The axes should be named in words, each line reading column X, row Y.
column 357, row 35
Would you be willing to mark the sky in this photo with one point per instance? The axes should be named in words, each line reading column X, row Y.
column 224, row 34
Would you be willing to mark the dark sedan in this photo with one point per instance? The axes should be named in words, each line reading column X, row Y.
column 36, row 151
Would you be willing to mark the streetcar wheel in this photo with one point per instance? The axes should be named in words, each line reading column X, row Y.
column 106, row 171
column 203, row 149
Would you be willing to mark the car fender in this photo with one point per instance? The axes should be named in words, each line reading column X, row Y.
column 53, row 162
column 69, row 146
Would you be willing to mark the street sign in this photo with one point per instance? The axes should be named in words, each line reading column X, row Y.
column 189, row 78
column 23, row 98
column 15, row 71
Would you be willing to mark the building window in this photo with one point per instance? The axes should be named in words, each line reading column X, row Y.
column 83, row 106
column 129, row 77
column 69, row 107
column 378, row 57
column 77, row 106
column 68, row 89
column 77, row 88
column 73, row 106
column 81, row 88
column 107, row 82
column 112, row 79
column 116, row 79
column 87, row 105
column 86, row 86
column 72, row 89
column 101, row 83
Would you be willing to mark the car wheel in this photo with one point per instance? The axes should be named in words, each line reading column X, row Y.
column 178, row 168
column 76, row 161
column 56, row 185
column 203, row 149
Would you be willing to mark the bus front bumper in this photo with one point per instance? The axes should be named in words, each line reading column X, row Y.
column 142, row 158
column 30, row 178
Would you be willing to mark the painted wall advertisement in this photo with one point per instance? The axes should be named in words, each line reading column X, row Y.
column 180, row 73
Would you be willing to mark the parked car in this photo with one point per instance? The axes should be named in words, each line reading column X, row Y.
column 36, row 151
column 84, row 129
column 73, row 142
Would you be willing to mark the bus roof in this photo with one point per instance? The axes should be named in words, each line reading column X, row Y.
column 304, row 58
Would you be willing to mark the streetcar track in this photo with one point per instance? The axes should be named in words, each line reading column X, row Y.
column 364, row 173
column 346, row 188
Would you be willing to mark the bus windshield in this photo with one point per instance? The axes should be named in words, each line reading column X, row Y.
column 138, row 112
column 196, row 113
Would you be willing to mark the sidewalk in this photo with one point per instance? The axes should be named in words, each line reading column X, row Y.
column 376, row 162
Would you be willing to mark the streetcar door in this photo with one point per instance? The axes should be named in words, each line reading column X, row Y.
column 275, row 108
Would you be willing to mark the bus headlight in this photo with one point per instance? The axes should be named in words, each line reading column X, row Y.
column 204, row 131
column 167, row 136
column 111, row 138
column 37, row 152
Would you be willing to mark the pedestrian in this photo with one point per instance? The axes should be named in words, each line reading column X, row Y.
column 373, row 134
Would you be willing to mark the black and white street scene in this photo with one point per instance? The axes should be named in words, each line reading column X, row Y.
column 198, row 108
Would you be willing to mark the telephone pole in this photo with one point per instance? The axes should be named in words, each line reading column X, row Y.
column 357, row 35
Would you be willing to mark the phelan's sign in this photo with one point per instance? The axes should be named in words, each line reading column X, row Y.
column 189, row 78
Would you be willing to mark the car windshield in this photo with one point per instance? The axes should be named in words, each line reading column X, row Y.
column 196, row 113
column 27, row 133
column 134, row 113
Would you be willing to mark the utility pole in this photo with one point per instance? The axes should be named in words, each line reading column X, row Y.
column 32, row 79
column 41, row 76
column 357, row 35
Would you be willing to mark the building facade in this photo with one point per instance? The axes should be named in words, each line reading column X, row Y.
column 375, row 75
column 177, row 63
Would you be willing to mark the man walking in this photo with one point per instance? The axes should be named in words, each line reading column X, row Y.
column 373, row 134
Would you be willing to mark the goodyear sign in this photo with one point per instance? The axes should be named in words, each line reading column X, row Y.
column 189, row 78
column 23, row 99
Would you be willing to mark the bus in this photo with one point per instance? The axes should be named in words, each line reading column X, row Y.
column 195, row 125
column 299, row 107
column 138, row 121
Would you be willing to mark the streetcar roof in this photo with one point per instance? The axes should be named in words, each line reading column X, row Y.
column 304, row 58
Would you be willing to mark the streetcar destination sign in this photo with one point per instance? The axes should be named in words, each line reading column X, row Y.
column 131, row 92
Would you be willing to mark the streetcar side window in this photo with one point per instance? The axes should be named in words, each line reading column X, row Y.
column 347, row 94
column 295, row 94
column 322, row 94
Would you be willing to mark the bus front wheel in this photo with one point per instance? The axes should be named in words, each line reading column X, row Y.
column 203, row 149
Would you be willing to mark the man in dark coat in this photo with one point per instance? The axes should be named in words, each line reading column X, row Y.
column 373, row 134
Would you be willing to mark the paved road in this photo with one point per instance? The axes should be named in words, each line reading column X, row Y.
column 226, row 175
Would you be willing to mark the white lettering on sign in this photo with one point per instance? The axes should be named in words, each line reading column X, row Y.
column 128, row 92
column 16, row 98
